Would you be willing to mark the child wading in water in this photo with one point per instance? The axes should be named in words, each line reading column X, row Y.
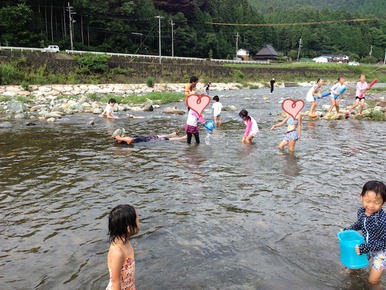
column 313, row 94
column 372, row 222
column 251, row 129
column 217, row 107
column 294, row 129
column 191, row 126
column 335, row 94
column 123, row 223
column 109, row 110
column 362, row 87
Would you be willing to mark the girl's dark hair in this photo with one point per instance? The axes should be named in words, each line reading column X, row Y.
column 193, row 79
column 243, row 113
column 319, row 79
column 121, row 217
column 340, row 78
column 377, row 186
column 216, row 98
column 112, row 101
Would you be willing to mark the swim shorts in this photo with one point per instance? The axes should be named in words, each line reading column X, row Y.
column 379, row 260
column 291, row 135
column 359, row 98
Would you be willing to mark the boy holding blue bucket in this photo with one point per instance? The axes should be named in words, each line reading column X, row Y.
column 372, row 222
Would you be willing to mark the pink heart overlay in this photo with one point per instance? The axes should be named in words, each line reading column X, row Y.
column 197, row 102
column 292, row 107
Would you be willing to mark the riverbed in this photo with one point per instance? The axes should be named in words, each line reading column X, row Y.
column 222, row 215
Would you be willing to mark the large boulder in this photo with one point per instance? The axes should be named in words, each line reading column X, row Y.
column 173, row 110
column 16, row 107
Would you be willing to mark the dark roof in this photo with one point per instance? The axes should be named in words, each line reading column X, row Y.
column 267, row 52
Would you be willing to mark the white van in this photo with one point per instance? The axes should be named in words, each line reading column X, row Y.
column 51, row 48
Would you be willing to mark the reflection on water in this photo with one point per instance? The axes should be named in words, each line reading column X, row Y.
column 221, row 216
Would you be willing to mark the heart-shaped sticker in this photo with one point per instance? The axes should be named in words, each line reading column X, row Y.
column 197, row 102
column 292, row 107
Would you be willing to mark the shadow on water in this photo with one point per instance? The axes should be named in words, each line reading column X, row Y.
column 221, row 216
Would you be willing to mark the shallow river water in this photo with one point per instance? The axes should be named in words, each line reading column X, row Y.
column 221, row 216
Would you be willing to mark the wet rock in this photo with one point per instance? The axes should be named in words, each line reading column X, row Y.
column 19, row 116
column 53, row 115
column 30, row 124
column 5, row 125
column 97, row 111
column 43, row 113
column 229, row 108
column 173, row 110
column 91, row 123
column 148, row 107
column 15, row 106
column 38, row 108
column 51, row 120
column 325, row 108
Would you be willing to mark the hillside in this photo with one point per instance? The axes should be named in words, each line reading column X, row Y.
column 376, row 7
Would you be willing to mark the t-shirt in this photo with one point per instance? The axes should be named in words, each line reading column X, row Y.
column 314, row 90
column 193, row 117
column 361, row 89
column 109, row 110
column 217, row 107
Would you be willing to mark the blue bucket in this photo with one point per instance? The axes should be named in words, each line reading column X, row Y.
column 209, row 125
column 347, row 242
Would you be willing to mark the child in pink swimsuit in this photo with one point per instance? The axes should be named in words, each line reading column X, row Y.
column 123, row 223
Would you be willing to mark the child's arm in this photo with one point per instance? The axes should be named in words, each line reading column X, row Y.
column 279, row 124
column 248, row 128
column 199, row 117
column 116, row 259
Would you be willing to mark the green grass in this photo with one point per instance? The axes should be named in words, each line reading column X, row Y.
column 155, row 97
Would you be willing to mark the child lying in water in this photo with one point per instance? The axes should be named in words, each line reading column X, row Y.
column 120, row 136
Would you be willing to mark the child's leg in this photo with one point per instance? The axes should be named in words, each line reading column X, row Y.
column 313, row 107
column 354, row 105
column 337, row 106
column 197, row 137
column 291, row 145
column 375, row 276
column 249, row 139
column 189, row 138
column 282, row 144
column 332, row 105
column 361, row 106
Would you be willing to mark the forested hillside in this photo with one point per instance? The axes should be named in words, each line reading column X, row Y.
column 131, row 26
column 376, row 7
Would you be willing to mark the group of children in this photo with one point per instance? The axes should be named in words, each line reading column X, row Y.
column 371, row 219
column 315, row 94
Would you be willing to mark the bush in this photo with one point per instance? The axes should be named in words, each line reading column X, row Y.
column 377, row 116
column 150, row 82
column 238, row 74
column 368, row 59
column 25, row 85
column 93, row 63
column 8, row 74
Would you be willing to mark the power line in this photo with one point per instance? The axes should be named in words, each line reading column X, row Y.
column 293, row 24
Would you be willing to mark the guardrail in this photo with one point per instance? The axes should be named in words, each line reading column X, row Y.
column 135, row 55
column 11, row 48
column 138, row 55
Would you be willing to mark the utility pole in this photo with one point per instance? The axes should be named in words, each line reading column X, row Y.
column 384, row 59
column 172, row 24
column 70, row 13
column 237, row 43
column 159, row 36
column 300, row 46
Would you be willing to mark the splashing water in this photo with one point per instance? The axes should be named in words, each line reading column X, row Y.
column 207, row 138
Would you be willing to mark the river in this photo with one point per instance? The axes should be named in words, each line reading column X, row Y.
column 221, row 216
